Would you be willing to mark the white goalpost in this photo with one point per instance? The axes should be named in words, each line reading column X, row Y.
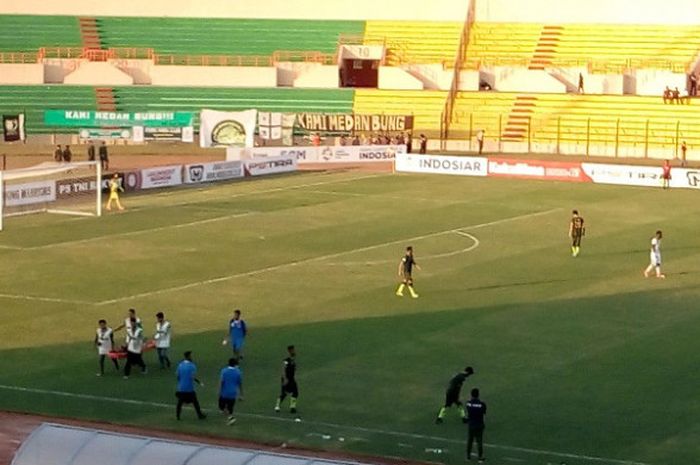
column 61, row 188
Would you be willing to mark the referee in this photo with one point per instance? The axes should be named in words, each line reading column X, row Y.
column 289, row 382
column 476, row 409
column 452, row 395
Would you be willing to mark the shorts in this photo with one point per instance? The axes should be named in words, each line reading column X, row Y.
column 576, row 238
column 452, row 398
column 655, row 259
column 237, row 344
column 290, row 388
column 407, row 278
column 113, row 197
column 186, row 397
column 226, row 404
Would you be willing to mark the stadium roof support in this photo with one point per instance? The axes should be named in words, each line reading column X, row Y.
column 53, row 444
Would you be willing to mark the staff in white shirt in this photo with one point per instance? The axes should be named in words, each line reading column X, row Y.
column 127, row 323
column 104, row 341
column 134, row 349
column 162, row 337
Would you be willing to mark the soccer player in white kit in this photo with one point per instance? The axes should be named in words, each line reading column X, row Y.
column 104, row 341
column 655, row 256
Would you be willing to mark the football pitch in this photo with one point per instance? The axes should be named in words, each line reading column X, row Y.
column 580, row 360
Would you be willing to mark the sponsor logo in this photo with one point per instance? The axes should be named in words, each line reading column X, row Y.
column 387, row 154
column 451, row 164
column 270, row 164
column 228, row 132
column 196, row 173
column 693, row 178
column 327, row 153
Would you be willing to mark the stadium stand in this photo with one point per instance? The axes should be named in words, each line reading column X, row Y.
column 182, row 36
column 33, row 100
column 425, row 106
column 607, row 48
column 19, row 33
column 561, row 118
column 415, row 41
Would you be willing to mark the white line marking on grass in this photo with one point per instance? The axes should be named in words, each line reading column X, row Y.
column 37, row 298
column 475, row 244
column 319, row 258
column 11, row 247
column 141, row 231
column 321, row 424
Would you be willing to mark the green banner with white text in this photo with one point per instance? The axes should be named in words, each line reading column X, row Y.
column 101, row 119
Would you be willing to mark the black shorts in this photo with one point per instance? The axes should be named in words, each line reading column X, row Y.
column 576, row 238
column 452, row 398
column 227, row 404
column 186, row 397
column 290, row 388
column 407, row 278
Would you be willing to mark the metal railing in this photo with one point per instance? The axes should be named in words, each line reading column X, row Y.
column 212, row 60
column 20, row 57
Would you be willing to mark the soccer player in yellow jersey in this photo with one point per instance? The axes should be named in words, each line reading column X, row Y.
column 114, row 189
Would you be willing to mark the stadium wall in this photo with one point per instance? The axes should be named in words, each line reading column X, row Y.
column 589, row 11
column 22, row 73
column 437, row 10
column 214, row 76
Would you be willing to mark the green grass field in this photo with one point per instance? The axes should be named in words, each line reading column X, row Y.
column 581, row 361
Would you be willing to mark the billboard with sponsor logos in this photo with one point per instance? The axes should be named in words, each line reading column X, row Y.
column 270, row 165
column 215, row 171
column 442, row 164
column 537, row 169
column 30, row 193
column 325, row 154
column 163, row 176
column 626, row 175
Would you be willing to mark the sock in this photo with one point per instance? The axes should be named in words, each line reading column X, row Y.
column 442, row 412
column 461, row 412
column 413, row 293
column 573, row 249
column 292, row 402
column 400, row 289
column 279, row 402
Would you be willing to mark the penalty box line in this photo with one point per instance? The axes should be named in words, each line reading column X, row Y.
column 321, row 258
column 400, row 434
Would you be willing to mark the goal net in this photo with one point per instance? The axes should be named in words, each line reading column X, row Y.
column 63, row 188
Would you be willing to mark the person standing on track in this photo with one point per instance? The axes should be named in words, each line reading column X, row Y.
column 576, row 232
column 406, row 273
column 289, row 382
column 476, row 411
column 452, row 395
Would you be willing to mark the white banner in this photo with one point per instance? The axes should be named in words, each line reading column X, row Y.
column 626, row 175
column 329, row 154
column 227, row 128
column 163, row 176
column 30, row 193
column 442, row 164
column 216, row 171
column 270, row 165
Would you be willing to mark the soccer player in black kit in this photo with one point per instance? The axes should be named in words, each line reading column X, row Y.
column 576, row 232
column 405, row 272
column 289, row 382
column 452, row 395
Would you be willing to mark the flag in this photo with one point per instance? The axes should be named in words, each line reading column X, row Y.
column 227, row 128
column 13, row 127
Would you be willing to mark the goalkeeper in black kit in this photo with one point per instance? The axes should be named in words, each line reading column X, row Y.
column 452, row 395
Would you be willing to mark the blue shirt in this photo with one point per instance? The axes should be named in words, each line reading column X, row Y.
column 237, row 329
column 186, row 371
column 230, row 382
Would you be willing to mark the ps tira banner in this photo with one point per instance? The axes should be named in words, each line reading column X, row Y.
column 13, row 127
column 227, row 128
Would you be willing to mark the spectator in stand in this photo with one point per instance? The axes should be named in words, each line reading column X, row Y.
column 374, row 140
column 684, row 151
column 58, row 154
column 91, row 151
column 692, row 85
column 67, row 154
column 668, row 95
column 480, row 140
column 393, row 140
column 423, row 144
column 343, row 140
column 356, row 140
column 316, row 140
column 104, row 157
column 676, row 95
column 400, row 139
column 580, row 83
column 409, row 142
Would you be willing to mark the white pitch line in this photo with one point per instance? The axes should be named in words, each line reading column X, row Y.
column 141, row 231
column 318, row 259
column 37, row 298
column 363, row 429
